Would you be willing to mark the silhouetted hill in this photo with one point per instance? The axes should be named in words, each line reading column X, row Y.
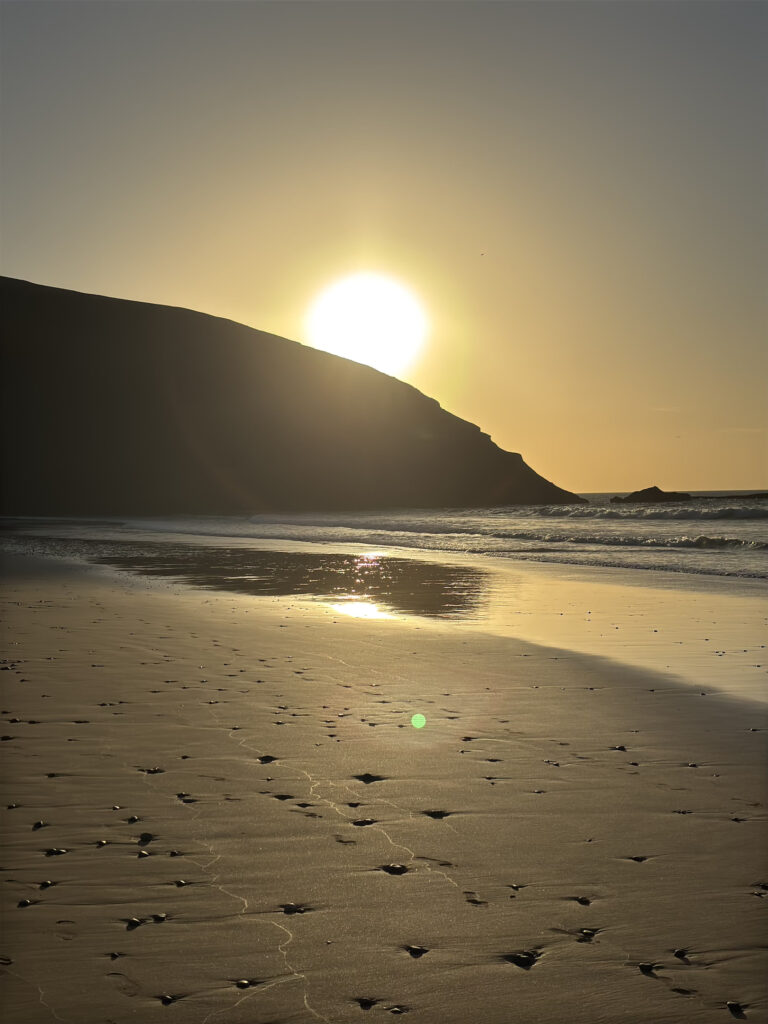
column 118, row 407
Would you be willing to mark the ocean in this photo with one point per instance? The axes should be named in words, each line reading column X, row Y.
column 720, row 536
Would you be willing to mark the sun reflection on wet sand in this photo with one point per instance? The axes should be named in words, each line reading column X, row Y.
column 361, row 610
column 364, row 585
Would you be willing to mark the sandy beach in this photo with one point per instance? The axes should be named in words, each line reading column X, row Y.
column 216, row 808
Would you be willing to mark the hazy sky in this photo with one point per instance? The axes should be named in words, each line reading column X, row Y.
column 606, row 159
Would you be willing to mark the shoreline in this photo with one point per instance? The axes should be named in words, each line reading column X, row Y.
column 515, row 813
column 708, row 631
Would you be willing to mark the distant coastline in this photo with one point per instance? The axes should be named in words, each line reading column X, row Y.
column 656, row 494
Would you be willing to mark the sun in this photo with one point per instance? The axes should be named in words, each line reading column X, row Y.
column 370, row 318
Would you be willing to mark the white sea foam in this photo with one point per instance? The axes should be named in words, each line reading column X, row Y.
column 667, row 537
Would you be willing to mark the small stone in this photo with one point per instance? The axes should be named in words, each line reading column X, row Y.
column 131, row 923
column 293, row 908
column 39, row 824
column 525, row 958
column 417, row 951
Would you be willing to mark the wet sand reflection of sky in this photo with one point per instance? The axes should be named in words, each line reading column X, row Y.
column 369, row 585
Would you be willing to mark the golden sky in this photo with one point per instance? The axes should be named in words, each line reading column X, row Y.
column 574, row 190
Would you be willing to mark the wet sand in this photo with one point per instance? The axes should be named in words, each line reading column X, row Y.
column 216, row 808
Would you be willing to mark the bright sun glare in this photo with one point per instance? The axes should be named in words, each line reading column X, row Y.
column 369, row 318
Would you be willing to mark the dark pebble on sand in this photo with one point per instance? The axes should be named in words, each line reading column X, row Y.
column 365, row 1003
column 369, row 777
column 131, row 923
column 437, row 815
column 40, row 824
column 101, row 842
column 681, row 954
column 416, row 951
column 266, row 759
column 394, row 869
column 26, row 903
column 159, row 918
column 647, row 969
column 133, row 819
column 736, row 1009
column 293, row 908
column 55, row 851
column 166, row 1000
column 525, row 959
column 46, row 884
column 145, row 838
column 174, row 853
column 362, row 822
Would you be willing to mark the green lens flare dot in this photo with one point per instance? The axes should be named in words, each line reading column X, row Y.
column 418, row 721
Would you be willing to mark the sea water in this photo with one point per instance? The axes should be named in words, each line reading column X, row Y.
column 719, row 536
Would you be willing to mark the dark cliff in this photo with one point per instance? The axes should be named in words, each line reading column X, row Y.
column 118, row 407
